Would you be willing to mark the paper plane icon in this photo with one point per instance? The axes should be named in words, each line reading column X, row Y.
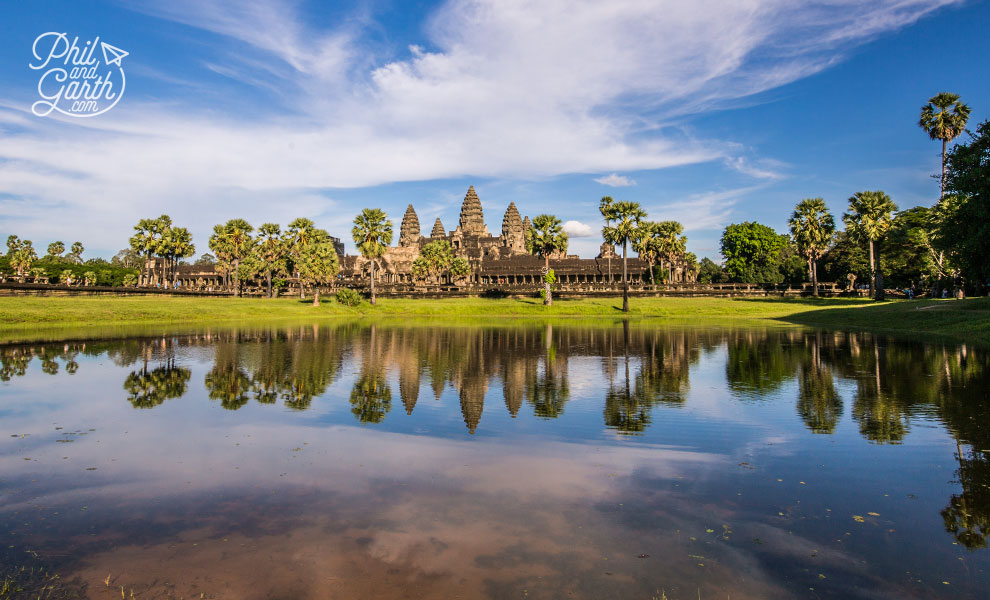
column 112, row 51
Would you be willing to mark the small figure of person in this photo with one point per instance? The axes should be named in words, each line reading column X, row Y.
column 945, row 293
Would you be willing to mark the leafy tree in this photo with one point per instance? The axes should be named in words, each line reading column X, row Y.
column 964, row 225
column 317, row 262
column 627, row 217
column 372, row 234
column 546, row 237
column 13, row 244
column 272, row 253
column 38, row 274
column 869, row 219
column 89, row 278
column 813, row 228
column 206, row 260
column 371, row 396
column 752, row 253
column 944, row 118
column 75, row 254
column 711, row 272
column 66, row 277
column 130, row 280
column 127, row 258
column 55, row 249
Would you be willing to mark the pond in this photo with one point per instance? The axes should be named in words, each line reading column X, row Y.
column 517, row 459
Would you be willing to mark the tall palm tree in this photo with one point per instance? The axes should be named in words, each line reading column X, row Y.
column 648, row 245
column 271, row 251
column 672, row 244
column 544, row 238
column 55, row 249
column 813, row 227
column 144, row 242
column 605, row 207
column 232, row 243
column 944, row 118
column 627, row 216
column 300, row 232
column 869, row 218
column 372, row 234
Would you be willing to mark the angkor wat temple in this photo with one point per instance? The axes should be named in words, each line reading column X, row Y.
column 497, row 262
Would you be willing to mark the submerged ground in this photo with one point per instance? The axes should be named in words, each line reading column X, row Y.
column 565, row 458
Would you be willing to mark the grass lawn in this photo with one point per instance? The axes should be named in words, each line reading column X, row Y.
column 967, row 320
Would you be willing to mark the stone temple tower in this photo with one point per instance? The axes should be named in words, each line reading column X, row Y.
column 472, row 218
column 438, row 230
column 513, row 235
column 409, row 231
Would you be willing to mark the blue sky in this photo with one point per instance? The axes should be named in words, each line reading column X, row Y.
column 706, row 112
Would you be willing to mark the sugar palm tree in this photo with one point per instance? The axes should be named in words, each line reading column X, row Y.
column 232, row 241
column 648, row 246
column 813, row 228
column 76, row 252
column 272, row 251
column 546, row 237
column 672, row 244
column 605, row 207
column 626, row 216
column 55, row 249
column 144, row 242
column 372, row 234
column 944, row 118
column 300, row 231
column 869, row 218
column 317, row 263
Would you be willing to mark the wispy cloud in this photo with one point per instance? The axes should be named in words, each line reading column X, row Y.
column 615, row 180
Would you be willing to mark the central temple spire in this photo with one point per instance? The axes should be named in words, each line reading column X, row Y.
column 472, row 217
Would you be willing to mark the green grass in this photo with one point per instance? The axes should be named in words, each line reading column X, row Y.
column 24, row 317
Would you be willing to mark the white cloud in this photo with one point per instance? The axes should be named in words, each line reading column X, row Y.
column 578, row 229
column 505, row 88
column 615, row 180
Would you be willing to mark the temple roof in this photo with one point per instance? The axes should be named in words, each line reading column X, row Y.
column 511, row 222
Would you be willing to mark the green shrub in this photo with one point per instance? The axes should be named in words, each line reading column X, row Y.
column 348, row 297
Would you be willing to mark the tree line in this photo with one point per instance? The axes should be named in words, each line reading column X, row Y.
column 946, row 246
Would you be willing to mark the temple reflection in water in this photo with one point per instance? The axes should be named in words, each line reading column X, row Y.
column 888, row 386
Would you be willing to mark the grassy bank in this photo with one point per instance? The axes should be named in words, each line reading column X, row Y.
column 967, row 320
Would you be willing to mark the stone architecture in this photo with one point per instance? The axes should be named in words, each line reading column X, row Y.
column 409, row 231
column 497, row 262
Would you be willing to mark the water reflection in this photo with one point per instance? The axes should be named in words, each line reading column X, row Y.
column 637, row 378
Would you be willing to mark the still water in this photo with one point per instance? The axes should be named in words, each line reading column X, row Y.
column 526, row 460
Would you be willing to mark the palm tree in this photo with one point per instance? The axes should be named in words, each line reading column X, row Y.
column 144, row 242
column 76, row 252
column 175, row 243
column 605, row 207
column 944, row 118
column 671, row 243
column 317, row 262
column 372, row 233
column 300, row 231
column 232, row 243
column 55, row 249
column 869, row 218
column 271, row 251
column 545, row 238
column 813, row 227
column 627, row 216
